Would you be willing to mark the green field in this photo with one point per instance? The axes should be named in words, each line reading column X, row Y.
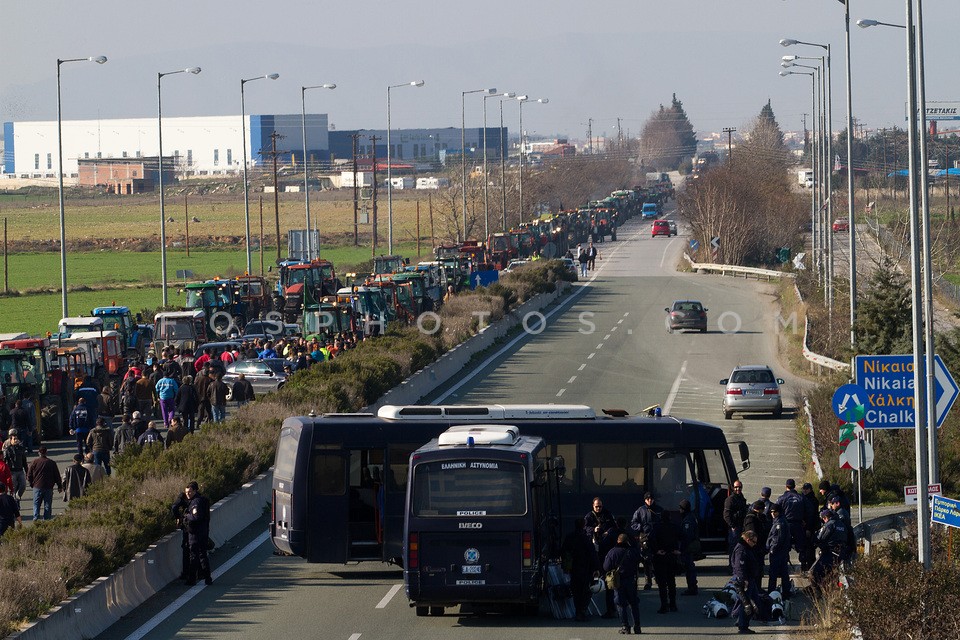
column 139, row 271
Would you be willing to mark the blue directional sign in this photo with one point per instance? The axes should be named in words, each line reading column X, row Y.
column 888, row 383
column 945, row 511
column 483, row 278
column 694, row 244
column 846, row 398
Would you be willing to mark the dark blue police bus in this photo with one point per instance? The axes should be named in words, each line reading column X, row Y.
column 340, row 480
column 480, row 519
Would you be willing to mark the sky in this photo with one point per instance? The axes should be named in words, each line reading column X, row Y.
column 599, row 60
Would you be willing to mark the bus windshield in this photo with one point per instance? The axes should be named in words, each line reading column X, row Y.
column 458, row 488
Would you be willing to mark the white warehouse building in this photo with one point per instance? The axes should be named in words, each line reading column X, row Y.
column 207, row 145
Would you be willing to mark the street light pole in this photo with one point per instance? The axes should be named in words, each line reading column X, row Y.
column 813, row 161
column 163, row 217
column 63, row 227
column 851, row 210
column 246, row 186
column 415, row 83
column 503, row 170
column 486, row 180
column 521, row 100
column 463, row 147
column 306, row 182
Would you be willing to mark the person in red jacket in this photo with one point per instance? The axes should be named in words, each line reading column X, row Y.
column 6, row 477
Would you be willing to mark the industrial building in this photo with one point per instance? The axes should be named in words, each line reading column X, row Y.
column 427, row 146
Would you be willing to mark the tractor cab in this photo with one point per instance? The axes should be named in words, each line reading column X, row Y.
column 387, row 264
column 184, row 329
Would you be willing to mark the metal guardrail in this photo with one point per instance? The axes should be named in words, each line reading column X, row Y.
column 889, row 527
column 724, row 269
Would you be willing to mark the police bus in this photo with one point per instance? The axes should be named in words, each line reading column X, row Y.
column 340, row 480
column 480, row 519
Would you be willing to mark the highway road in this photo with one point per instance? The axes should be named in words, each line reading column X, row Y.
column 605, row 346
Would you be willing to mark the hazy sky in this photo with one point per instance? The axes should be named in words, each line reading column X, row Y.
column 600, row 60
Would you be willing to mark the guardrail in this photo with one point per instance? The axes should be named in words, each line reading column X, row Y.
column 724, row 269
column 889, row 527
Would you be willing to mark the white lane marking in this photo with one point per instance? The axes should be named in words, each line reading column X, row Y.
column 386, row 599
column 560, row 393
column 572, row 378
column 674, row 389
column 582, row 367
column 629, row 332
column 590, row 357
column 355, row 636
column 626, row 314
column 663, row 257
column 606, row 337
column 614, row 329
column 620, row 321
column 600, row 346
column 192, row 592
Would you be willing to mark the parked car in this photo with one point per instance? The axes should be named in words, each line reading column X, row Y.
column 673, row 227
column 660, row 228
column 514, row 265
column 572, row 267
column 752, row 389
column 264, row 330
column 265, row 375
column 841, row 224
column 687, row 314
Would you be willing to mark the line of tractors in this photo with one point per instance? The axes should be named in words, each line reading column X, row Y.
column 307, row 296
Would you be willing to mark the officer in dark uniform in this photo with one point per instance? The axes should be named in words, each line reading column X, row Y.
column 832, row 540
column 178, row 509
column 778, row 546
column 197, row 519
column 602, row 528
column 811, row 523
column 792, row 505
column 734, row 512
column 746, row 578
column 643, row 525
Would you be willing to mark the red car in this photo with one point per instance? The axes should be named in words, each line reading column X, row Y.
column 660, row 228
column 841, row 224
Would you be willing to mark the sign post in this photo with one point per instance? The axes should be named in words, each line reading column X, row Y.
column 855, row 452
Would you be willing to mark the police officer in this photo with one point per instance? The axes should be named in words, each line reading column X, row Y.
column 832, row 540
column 690, row 546
column 197, row 519
column 178, row 510
column 734, row 511
column 644, row 523
column 746, row 578
column 811, row 523
column 778, row 546
column 602, row 528
column 756, row 521
column 791, row 504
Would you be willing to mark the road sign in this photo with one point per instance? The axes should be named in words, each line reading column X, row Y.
column 483, row 278
column 694, row 244
column 850, row 457
column 888, row 383
column 798, row 261
column 945, row 511
column 184, row 273
column 910, row 493
column 715, row 242
column 845, row 400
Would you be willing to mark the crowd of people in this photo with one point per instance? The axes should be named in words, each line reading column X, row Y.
column 656, row 548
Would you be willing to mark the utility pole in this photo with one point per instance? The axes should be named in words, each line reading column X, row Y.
column 356, row 192
column 806, row 137
column 6, row 270
column 261, row 236
column 373, row 143
column 186, row 221
column 273, row 153
column 590, row 134
column 729, row 131
column 619, row 135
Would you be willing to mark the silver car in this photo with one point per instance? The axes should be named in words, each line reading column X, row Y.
column 265, row 375
column 752, row 389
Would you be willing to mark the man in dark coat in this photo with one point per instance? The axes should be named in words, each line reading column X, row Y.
column 188, row 403
column 580, row 556
column 197, row 520
column 792, row 504
column 603, row 532
column 10, row 510
column 778, row 546
column 689, row 546
column 200, row 384
column 179, row 509
column 625, row 559
column 757, row 522
column 242, row 390
column 811, row 524
column 746, row 577
column 665, row 545
column 734, row 511
column 643, row 525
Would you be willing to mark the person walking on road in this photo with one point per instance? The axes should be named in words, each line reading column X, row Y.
column 43, row 475
column 151, row 435
column 197, row 519
column 217, row 395
column 188, row 403
column 81, row 422
column 96, row 470
column 625, row 559
column 125, row 435
column 583, row 259
column 76, row 479
column 746, row 579
column 9, row 511
column 15, row 455
column 242, row 391
column 200, row 384
column 592, row 254
column 100, row 443
column 167, row 393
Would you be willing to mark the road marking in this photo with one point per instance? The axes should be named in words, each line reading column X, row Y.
column 355, row 636
column 626, row 314
column 590, row 357
column 192, row 592
column 582, row 367
column 674, row 389
column 572, row 378
column 620, row 321
column 560, row 393
column 387, row 598
column 614, row 329
column 600, row 346
column 606, row 337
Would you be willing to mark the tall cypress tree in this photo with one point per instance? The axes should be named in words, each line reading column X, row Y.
column 688, row 138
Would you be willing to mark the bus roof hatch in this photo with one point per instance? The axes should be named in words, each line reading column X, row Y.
column 479, row 434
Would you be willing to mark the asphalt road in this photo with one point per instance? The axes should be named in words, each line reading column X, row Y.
column 626, row 359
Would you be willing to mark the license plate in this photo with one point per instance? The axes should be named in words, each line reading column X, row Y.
column 471, row 568
column 753, row 392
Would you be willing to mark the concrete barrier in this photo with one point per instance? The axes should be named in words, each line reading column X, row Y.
column 100, row 604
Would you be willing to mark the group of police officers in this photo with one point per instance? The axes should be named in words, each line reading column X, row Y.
column 801, row 521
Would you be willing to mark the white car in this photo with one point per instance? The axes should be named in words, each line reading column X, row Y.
column 514, row 264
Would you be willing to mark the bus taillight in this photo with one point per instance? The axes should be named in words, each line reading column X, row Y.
column 527, row 545
column 413, row 551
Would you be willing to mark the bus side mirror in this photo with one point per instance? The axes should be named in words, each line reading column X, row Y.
column 744, row 456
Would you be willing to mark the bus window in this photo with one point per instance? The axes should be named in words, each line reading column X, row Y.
column 286, row 460
column 716, row 468
column 568, row 483
column 399, row 464
column 366, row 468
column 329, row 475
column 612, row 467
column 494, row 488
column 671, row 478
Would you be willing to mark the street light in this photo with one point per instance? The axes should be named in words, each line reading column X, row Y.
column 503, row 167
column 828, row 173
column 486, row 180
column 246, row 187
column 521, row 100
column 63, row 229
column 814, row 205
column 415, row 83
column 306, row 183
column 463, row 148
column 163, row 217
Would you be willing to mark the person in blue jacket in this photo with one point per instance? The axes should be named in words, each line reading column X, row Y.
column 625, row 558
